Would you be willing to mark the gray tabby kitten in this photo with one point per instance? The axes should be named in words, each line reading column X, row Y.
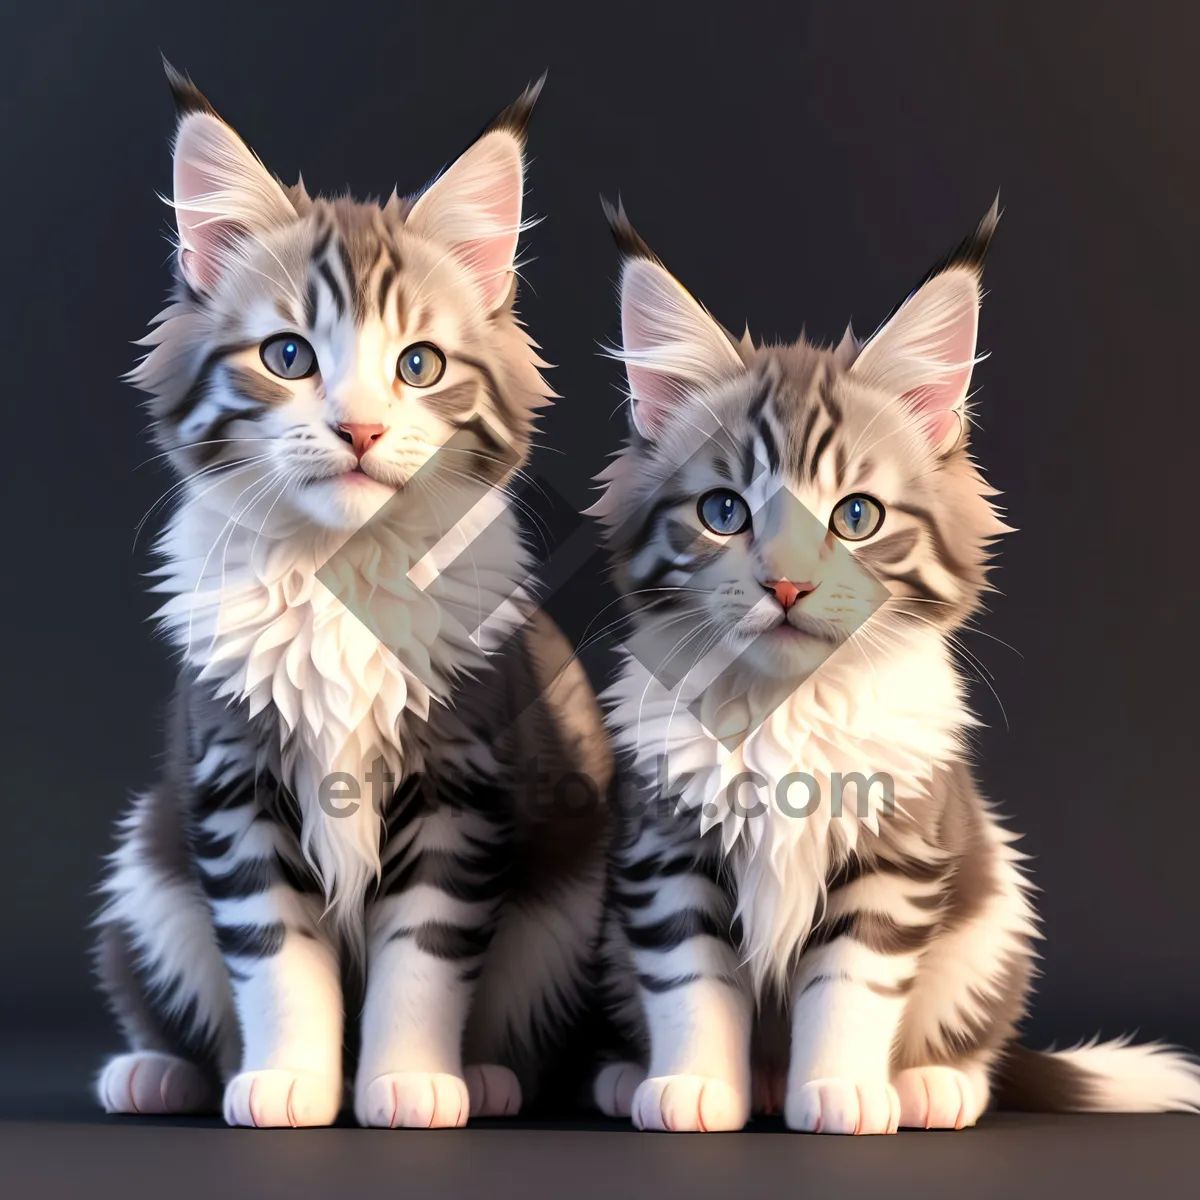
column 347, row 386
column 812, row 520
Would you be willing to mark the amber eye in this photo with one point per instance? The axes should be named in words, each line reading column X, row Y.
column 288, row 356
column 421, row 365
column 856, row 518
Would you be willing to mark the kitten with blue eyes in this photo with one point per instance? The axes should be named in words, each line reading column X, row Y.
column 797, row 533
column 344, row 390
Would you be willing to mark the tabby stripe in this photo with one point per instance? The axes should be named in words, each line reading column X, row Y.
column 674, row 930
column 450, row 873
column 876, row 931
column 334, row 287
column 914, row 580
column 385, row 285
column 210, row 845
column 255, row 876
column 660, row 986
column 892, row 991
column 892, row 548
column 495, row 394
column 322, row 243
column 256, row 389
column 198, row 391
column 761, row 396
column 443, row 940
column 356, row 292
column 769, row 444
column 250, row 941
column 947, row 556
column 809, row 423
column 646, row 530
column 453, row 402
column 310, row 303
column 819, row 453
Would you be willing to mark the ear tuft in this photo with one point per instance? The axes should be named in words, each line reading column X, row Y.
column 474, row 207
column 670, row 346
column 188, row 97
column 629, row 242
column 223, row 195
column 925, row 352
column 515, row 118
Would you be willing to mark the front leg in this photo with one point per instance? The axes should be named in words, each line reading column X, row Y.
column 428, row 930
column 848, row 999
column 282, row 964
column 677, row 924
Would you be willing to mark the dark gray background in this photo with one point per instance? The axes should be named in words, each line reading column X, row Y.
column 794, row 163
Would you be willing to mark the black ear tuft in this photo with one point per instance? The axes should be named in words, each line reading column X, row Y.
column 972, row 250
column 188, row 97
column 515, row 118
column 628, row 240
column 969, row 253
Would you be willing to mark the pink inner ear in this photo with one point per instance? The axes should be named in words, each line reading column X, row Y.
column 490, row 260
column 475, row 210
column 644, row 303
column 204, row 237
column 926, row 354
column 662, row 323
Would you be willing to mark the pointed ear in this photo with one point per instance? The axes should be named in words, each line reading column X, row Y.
column 223, row 194
column 925, row 352
column 670, row 346
column 474, row 207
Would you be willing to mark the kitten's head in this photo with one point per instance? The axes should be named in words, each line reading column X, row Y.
column 768, row 491
column 318, row 352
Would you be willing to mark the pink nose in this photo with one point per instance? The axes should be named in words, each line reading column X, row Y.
column 787, row 593
column 361, row 437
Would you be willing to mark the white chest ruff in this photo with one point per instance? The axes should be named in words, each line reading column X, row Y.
column 251, row 615
column 775, row 796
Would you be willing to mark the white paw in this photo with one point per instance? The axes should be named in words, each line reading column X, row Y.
column 688, row 1104
column 271, row 1098
column 843, row 1106
column 494, row 1090
column 614, row 1087
column 935, row 1098
column 156, row 1084
column 413, row 1100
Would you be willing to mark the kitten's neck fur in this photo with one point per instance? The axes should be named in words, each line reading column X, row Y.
column 901, row 716
column 249, row 614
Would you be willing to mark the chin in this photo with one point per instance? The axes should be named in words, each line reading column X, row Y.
column 344, row 502
column 787, row 653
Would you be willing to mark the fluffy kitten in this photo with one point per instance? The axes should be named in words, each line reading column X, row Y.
column 798, row 533
column 345, row 388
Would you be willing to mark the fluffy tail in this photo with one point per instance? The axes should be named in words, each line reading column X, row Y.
column 1099, row 1077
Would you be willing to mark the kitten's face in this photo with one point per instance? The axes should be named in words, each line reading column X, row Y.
column 322, row 352
column 784, row 500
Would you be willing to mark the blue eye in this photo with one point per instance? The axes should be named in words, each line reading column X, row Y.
column 421, row 365
column 288, row 356
column 856, row 518
column 723, row 512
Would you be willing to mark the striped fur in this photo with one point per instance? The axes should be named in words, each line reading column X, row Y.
column 334, row 806
column 855, row 970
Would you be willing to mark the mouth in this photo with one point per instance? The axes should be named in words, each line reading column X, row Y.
column 800, row 629
column 356, row 477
